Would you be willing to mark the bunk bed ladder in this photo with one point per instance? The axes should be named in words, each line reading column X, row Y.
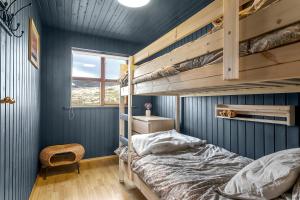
column 121, row 133
column 122, row 120
column 130, row 92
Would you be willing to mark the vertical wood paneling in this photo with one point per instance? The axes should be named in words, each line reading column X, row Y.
column 209, row 119
column 234, row 129
column 220, row 126
column 95, row 128
column 250, row 134
column 199, row 116
column 293, row 132
column 280, row 130
column 269, row 129
column 195, row 117
column 204, row 118
column 259, row 131
column 246, row 138
column 227, row 127
column 19, row 123
column 2, row 114
column 242, row 130
column 214, row 121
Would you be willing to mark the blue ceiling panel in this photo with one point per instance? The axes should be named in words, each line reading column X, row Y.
column 108, row 18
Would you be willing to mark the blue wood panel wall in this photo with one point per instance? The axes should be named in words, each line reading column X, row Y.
column 246, row 138
column 19, row 123
column 95, row 128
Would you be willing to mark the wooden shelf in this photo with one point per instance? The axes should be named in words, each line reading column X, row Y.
column 284, row 115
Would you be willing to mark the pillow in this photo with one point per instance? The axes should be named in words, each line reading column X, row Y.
column 265, row 178
column 163, row 142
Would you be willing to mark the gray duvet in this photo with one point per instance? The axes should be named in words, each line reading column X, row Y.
column 193, row 174
column 190, row 175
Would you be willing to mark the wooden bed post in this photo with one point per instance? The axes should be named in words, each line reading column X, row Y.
column 231, row 40
column 177, row 117
column 121, row 133
column 130, row 92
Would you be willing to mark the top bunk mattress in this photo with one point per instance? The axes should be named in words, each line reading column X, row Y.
column 278, row 38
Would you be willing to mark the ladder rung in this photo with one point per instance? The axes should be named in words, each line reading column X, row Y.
column 123, row 140
column 124, row 116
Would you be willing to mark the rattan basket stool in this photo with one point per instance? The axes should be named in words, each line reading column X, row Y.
column 58, row 155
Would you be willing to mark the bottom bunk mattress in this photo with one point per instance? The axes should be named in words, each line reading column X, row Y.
column 191, row 174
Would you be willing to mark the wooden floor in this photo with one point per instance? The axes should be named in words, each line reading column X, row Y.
column 98, row 180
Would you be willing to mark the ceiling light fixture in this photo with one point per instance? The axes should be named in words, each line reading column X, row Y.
column 134, row 3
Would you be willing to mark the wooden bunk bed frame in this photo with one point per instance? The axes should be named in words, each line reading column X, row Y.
column 273, row 71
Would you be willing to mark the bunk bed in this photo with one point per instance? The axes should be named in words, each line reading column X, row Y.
column 260, row 71
column 238, row 56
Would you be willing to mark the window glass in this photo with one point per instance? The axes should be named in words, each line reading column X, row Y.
column 88, row 82
column 85, row 93
column 112, row 68
column 112, row 90
column 86, row 65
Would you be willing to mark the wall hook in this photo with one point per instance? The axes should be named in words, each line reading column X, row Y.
column 7, row 18
column 7, row 100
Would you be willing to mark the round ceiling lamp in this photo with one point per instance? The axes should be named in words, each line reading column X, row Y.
column 134, row 3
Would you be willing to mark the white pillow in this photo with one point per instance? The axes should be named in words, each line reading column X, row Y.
column 163, row 142
column 265, row 178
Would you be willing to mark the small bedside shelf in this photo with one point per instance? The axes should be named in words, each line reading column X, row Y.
column 279, row 114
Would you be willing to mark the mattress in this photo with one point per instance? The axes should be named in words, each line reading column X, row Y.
column 259, row 44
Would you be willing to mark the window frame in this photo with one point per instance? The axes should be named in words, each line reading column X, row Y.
column 102, row 80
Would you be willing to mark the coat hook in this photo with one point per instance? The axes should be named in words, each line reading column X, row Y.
column 7, row 100
column 7, row 18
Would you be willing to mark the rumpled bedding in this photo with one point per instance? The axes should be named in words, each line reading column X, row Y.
column 262, row 43
column 122, row 152
column 163, row 142
column 189, row 175
column 192, row 174
column 296, row 190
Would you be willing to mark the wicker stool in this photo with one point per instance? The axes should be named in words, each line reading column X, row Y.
column 59, row 155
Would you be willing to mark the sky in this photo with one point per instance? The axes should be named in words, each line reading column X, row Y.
column 85, row 65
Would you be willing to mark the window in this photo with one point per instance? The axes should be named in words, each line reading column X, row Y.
column 95, row 79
